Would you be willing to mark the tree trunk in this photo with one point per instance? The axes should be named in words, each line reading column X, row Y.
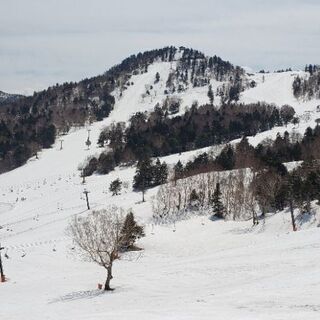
column 254, row 218
column 263, row 213
column 179, row 203
column 294, row 228
column 143, row 195
column 109, row 277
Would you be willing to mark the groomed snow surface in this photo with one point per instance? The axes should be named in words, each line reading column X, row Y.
column 195, row 269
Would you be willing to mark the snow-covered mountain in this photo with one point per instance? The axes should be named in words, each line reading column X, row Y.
column 7, row 97
column 193, row 269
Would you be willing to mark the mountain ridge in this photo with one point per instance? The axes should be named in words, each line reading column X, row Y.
column 31, row 123
column 8, row 97
column 170, row 75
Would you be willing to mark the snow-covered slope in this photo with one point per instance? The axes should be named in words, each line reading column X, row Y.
column 135, row 99
column 273, row 88
column 277, row 88
column 197, row 269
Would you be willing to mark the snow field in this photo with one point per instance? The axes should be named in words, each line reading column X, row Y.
column 197, row 269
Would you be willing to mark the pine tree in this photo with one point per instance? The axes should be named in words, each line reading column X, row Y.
column 157, row 77
column 160, row 173
column 143, row 177
column 178, row 171
column 226, row 159
column 218, row 208
column 115, row 187
column 210, row 94
column 106, row 163
column 130, row 232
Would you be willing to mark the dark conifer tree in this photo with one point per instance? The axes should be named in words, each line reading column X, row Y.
column 106, row 163
column 130, row 232
column 160, row 173
column 218, row 208
column 143, row 177
column 226, row 159
column 210, row 94
column 115, row 187
column 157, row 78
column 178, row 171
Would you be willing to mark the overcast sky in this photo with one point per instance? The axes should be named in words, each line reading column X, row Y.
column 43, row 42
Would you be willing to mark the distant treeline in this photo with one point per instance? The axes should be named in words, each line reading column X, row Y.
column 271, row 154
column 308, row 88
column 159, row 134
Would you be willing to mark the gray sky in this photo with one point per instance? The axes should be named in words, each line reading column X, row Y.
column 43, row 42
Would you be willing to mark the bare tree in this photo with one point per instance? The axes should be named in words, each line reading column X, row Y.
column 164, row 206
column 265, row 187
column 251, row 203
column 172, row 201
column 98, row 237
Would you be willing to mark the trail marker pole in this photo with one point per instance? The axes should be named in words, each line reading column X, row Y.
column 2, row 276
column 87, row 199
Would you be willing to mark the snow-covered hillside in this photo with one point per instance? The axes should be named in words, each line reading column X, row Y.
column 277, row 88
column 197, row 269
column 135, row 98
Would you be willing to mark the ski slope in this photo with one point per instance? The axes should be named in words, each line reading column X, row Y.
column 277, row 88
column 197, row 269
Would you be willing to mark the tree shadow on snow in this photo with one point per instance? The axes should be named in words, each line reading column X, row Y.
column 79, row 295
